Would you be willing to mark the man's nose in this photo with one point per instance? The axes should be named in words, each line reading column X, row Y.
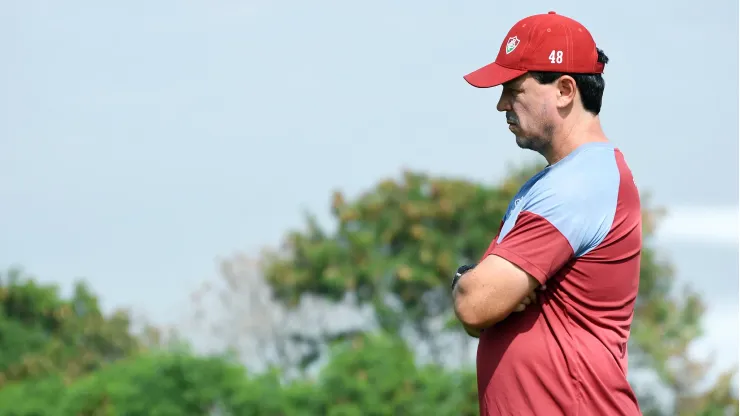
column 503, row 104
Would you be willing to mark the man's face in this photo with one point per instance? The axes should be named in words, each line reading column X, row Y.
column 530, row 112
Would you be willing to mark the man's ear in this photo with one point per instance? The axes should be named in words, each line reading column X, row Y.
column 567, row 90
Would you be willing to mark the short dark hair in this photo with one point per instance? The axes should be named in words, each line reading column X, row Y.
column 591, row 86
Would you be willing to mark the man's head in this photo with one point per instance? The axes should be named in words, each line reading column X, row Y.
column 550, row 70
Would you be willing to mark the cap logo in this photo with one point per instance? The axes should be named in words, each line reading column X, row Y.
column 511, row 44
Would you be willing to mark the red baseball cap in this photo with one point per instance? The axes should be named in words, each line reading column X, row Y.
column 543, row 42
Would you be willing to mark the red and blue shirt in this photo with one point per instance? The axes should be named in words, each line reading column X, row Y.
column 576, row 227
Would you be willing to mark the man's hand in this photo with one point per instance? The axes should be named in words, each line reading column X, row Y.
column 531, row 298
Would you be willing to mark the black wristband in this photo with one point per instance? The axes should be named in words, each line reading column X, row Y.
column 461, row 271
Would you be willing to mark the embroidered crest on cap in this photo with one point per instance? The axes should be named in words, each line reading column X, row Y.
column 511, row 44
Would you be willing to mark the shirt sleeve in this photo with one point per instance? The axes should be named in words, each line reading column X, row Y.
column 536, row 246
column 557, row 223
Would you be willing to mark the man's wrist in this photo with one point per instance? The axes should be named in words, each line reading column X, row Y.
column 460, row 272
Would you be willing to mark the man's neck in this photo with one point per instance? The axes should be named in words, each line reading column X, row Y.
column 586, row 130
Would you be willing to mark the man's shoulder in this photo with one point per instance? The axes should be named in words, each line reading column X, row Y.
column 595, row 164
column 579, row 197
column 587, row 182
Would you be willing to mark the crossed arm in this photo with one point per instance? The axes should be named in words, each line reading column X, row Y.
column 490, row 292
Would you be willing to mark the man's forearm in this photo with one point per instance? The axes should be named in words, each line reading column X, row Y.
column 463, row 303
column 477, row 313
column 473, row 332
column 483, row 297
column 458, row 296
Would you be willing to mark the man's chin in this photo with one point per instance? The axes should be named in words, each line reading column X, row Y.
column 524, row 143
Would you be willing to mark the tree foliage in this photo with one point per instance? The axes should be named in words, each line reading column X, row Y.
column 41, row 333
column 374, row 375
column 93, row 364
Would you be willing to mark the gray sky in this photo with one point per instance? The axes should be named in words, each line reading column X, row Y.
column 142, row 140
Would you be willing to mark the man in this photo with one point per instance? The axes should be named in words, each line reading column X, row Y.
column 552, row 299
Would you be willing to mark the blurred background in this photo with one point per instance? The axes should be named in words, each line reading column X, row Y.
column 237, row 207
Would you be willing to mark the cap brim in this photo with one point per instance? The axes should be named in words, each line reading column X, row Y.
column 492, row 75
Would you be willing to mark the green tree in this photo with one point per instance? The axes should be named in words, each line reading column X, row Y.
column 376, row 375
column 42, row 333
column 372, row 375
column 395, row 246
